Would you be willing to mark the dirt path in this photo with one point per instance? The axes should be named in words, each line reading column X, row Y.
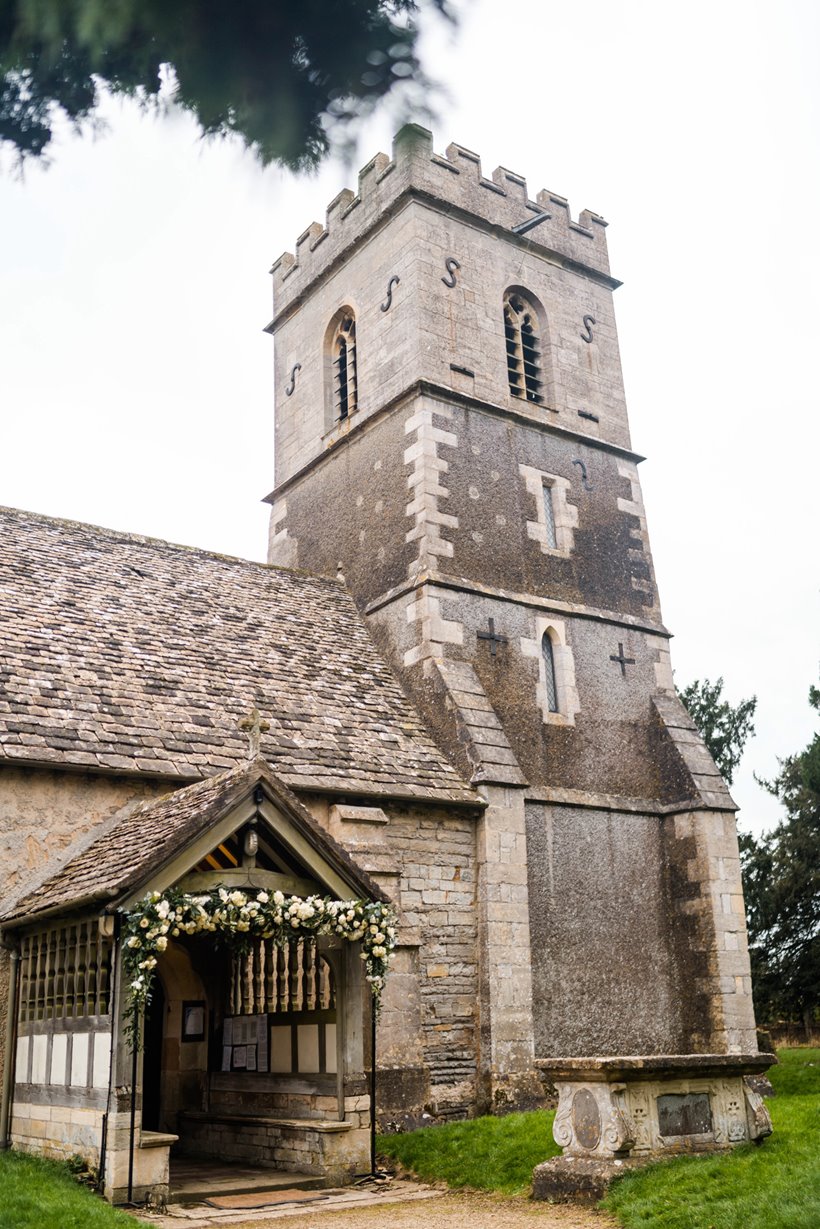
column 450, row 1211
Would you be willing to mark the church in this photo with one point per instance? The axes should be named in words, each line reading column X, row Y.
column 406, row 824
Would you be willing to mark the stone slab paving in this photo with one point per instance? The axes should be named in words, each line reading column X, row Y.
column 396, row 1208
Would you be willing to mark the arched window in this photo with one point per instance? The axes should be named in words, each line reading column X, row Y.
column 523, row 348
column 343, row 359
column 549, row 671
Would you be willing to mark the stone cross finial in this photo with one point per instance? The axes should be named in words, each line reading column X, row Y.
column 254, row 727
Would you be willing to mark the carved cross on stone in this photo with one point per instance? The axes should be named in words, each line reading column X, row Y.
column 254, row 727
column 492, row 637
column 622, row 661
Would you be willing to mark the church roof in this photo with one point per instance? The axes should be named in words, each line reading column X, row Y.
column 126, row 654
column 129, row 849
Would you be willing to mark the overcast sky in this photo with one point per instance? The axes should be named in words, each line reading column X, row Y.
column 137, row 383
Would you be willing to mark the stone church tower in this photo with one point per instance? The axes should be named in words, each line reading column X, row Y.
column 459, row 516
column 452, row 435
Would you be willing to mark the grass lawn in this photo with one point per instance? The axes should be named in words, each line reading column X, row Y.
column 40, row 1194
column 491, row 1154
column 772, row 1186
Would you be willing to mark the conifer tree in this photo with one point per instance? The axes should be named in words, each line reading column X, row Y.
column 781, row 878
column 723, row 727
column 277, row 73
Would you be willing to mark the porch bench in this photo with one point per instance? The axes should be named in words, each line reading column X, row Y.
column 328, row 1148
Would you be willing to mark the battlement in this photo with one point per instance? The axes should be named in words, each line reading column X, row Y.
column 456, row 181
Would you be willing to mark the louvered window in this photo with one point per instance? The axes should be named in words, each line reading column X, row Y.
column 549, row 670
column 523, row 348
column 344, row 368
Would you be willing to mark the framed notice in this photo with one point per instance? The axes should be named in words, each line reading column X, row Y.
column 193, row 1020
column 240, row 1058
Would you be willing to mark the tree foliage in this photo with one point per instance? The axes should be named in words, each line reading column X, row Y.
column 277, row 73
column 781, row 879
column 723, row 727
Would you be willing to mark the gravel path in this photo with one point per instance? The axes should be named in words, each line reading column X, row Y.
column 450, row 1211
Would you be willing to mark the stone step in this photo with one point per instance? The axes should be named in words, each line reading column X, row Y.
column 194, row 1181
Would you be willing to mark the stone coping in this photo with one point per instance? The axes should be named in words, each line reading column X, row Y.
column 323, row 1125
column 157, row 1139
column 653, row 1066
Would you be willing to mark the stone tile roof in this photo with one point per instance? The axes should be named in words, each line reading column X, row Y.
column 125, row 851
column 128, row 654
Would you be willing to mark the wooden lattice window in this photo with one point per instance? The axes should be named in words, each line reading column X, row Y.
column 343, row 357
column 549, row 671
column 293, row 977
column 65, row 972
column 282, row 1008
column 521, row 332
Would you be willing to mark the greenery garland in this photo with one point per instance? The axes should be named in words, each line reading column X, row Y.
column 242, row 917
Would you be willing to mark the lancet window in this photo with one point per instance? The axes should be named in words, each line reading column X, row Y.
column 522, row 335
column 549, row 672
column 343, row 359
column 549, row 518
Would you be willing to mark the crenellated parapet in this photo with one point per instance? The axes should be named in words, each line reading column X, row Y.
column 455, row 180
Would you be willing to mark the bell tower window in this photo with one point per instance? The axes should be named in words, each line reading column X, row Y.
column 522, row 336
column 343, row 355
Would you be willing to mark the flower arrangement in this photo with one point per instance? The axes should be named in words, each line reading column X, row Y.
column 243, row 916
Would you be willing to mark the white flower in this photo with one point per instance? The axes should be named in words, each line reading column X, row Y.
column 263, row 898
column 223, row 895
column 162, row 943
column 144, row 923
column 134, row 941
column 278, row 898
column 163, row 908
column 237, row 898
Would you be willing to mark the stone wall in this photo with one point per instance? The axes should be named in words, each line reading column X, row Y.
column 606, row 974
column 59, row 1131
column 425, row 859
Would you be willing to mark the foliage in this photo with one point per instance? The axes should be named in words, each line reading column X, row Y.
column 497, row 1154
column 40, row 1194
column 723, row 727
column 772, row 1186
column 278, row 73
column 781, row 879
column 241, row 917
